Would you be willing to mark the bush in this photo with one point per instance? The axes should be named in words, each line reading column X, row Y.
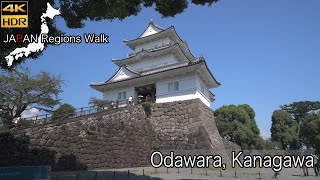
column 91, row 130
column 4, row 129
column 99, row 103
column 25, row 124
column 147, row 105
column 155, row 146
column 63, row 112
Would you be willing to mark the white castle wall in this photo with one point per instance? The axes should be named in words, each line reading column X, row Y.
column 187, row 90
column 112, row 95
column 154, row 62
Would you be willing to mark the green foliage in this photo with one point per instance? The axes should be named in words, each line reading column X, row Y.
column 268, row 144
column 310, row 131
column 299, row 110
column 147, row 105
column 284, row 130
column 76, row 12
column 238, row 124
column 91, row 130
column 155, row 145
column 99, row 103
column 19, row 91
column 63, row 112
column 25, row 124
column 4, row 129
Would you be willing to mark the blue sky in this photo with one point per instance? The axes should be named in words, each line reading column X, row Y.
column 264, row 53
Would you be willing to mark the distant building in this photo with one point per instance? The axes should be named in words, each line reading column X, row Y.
column 161, row 69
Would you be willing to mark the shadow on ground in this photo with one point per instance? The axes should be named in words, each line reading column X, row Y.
column 98, row 175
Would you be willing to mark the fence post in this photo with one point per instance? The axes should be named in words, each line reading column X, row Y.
column 260, row 175
column 220, row 173
column 96, row 176
column 191, row 170
column 167, row 170
column 78, row 176
column 143, row 172
column 206, row 172
column 178, row 170
column 114, row 174
column 235, row 174
column 128, row 173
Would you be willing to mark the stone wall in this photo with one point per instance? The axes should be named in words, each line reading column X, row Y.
column 187, row 126
column 115, row 138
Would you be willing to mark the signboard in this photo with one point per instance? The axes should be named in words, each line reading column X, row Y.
column 25, row 173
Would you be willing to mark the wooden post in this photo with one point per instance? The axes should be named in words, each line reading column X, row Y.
column 143, row 172
column 260, row 175
column 178, row 170
column 191, row 170
column 206, row 172
column 128, row 173
column 221, row 173
column 235, row 174
column 114, row 174
column 96, row 176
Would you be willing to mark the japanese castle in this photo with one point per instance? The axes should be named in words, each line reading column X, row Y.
column 161, row 69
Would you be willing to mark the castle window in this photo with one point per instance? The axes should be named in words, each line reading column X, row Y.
column 122, row 96
column 202, row 89
column 174, row 86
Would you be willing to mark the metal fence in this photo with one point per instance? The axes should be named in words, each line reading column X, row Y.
column 46, row 118
column 83, row 111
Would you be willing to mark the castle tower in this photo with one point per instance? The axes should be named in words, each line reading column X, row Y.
column 161, row 68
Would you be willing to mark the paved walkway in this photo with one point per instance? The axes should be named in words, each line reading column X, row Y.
column 163, row 173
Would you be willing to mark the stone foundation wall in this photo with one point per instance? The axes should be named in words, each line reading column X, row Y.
column 187, row 126
column 117, row 138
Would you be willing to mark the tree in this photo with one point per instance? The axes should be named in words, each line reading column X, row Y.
column 237, row 123
column 75, row 12
column 99, row 103
column 310, row 131
column 284, row 130
column 64, row 111
column 268, row 144
column 300, row 110
column 20, row 91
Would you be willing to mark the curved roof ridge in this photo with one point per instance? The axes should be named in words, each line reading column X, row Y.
column 160, row 49
column 163, row 30
column 125, row 67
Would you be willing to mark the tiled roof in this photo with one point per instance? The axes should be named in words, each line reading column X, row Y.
column 155, row 71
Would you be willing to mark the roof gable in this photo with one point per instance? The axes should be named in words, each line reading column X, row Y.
column 151, row 29
column 122, row 74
